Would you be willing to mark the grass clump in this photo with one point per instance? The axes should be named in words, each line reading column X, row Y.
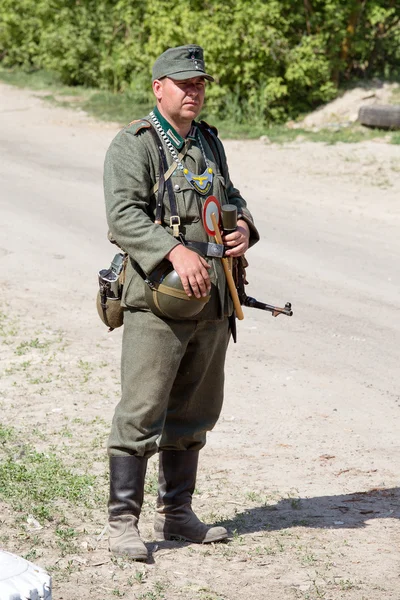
column 122, row 108
column 24, row 347
column 395, row 137
column 34, row 80
column 104, row 105
column 32, row 482
column 6, row 434
column 350, row 134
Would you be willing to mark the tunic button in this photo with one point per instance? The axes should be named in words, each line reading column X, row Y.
column 176, row 187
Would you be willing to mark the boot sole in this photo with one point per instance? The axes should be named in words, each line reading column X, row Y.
column 171, row 537
column 139, row 557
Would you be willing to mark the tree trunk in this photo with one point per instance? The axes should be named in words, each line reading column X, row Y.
column 344, row 57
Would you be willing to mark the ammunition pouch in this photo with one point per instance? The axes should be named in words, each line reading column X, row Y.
column 108, row 299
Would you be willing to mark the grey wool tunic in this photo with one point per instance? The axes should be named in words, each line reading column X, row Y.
column 130, row 172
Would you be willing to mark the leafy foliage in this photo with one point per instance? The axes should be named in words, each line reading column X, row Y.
column 273, row 59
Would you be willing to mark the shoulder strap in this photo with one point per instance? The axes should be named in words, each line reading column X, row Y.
column 174, row 219
column 172, row 168
column 138, row 124
column 211, row 133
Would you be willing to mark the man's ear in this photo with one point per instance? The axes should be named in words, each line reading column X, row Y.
column 157, row 89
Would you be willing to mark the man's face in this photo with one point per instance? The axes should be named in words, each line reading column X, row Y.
column 180, row 101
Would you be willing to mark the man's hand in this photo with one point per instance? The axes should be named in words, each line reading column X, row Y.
column 238, row 241
column 192, row 269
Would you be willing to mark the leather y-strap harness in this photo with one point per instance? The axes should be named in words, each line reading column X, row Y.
column 208, row 134
column 207, row 248
column 175, row 220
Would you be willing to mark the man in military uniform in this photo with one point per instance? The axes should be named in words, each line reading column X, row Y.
column 172, row 368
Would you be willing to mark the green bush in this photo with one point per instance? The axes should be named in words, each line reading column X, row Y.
column 272, row 59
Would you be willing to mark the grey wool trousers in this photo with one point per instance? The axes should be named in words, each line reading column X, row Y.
column 172, row 378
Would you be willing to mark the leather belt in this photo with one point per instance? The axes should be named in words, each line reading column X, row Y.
column 207, row 248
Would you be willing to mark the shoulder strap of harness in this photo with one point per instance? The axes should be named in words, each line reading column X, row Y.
column 211, row 134
column 175, row 220
column 164, row 179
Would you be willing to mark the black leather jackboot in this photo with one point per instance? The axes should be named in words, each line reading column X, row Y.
column 127, row 475
column 175, row 518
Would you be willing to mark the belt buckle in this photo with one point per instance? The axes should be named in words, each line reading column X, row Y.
column 174, row 223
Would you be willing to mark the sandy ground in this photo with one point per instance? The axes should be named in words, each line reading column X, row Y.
column 345, row 108
column 303, row 466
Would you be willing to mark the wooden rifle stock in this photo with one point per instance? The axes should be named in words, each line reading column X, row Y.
column 228, row 272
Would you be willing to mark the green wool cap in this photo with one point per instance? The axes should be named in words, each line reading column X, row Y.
column 183, row 62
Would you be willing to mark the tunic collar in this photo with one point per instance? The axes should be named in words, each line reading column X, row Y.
column 176, row 140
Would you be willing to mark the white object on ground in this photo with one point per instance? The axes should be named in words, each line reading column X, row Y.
column 22, row 580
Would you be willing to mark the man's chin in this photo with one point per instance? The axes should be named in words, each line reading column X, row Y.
column 191, row 113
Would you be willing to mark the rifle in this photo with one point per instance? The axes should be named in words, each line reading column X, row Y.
column 238, row 269
column 239, row 276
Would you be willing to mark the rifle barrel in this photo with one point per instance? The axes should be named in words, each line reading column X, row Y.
column 275, row 310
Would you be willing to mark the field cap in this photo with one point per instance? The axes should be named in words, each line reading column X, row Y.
column 183, row 62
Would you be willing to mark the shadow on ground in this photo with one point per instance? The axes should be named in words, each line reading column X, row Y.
column 335, row 512
column 325, row 512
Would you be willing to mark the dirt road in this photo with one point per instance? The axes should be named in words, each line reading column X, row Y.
column 303, row 467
